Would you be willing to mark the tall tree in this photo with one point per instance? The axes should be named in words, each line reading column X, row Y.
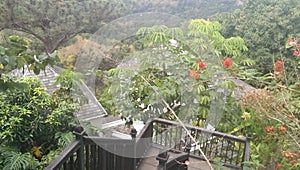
column 53, row 22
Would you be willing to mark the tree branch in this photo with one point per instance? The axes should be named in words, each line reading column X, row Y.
column 182, row 124
column 26, row 30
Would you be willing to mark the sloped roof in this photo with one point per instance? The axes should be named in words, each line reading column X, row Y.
column 47, row 77
column 91, row 110
column 242, row 88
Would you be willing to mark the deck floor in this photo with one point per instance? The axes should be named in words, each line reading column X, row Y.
column 150, row 162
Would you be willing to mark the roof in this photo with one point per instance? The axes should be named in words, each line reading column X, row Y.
column 242, row 88
column 91, row 110
column 47, row 77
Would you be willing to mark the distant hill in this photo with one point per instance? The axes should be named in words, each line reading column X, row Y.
column 188, row 8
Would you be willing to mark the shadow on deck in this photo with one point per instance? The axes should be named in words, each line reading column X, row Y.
column 161, row 145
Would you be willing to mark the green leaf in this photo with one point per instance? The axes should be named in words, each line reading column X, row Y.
column 204, row 100
column 17, row 161
column 42, row 57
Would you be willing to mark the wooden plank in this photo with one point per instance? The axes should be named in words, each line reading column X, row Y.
column 87, row 157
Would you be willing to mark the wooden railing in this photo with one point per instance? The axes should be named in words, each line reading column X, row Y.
column 232, row 150
column 93, row 153
column 143, row 142
column 66, row 159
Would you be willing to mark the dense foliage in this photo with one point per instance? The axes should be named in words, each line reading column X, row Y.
column 15, row 53
column 187, row 8
column 53, row 23
column 31, row 122
column 266, row 26
column 35, row 126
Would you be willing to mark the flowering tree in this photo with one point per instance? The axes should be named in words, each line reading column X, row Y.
column 294, row 46
column 272, row 116
column 265, row 26
column 186, row 65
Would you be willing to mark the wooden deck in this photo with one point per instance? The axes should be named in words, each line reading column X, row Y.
column 150, row 162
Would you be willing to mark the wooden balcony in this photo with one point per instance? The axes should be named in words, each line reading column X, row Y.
column 161, row 145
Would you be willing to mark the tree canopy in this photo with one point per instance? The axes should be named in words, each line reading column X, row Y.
column 266, row 26
column 55, row 22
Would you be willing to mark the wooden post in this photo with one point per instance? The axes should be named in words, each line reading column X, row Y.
column 79, row 133
column 133, row 134
column 187, row 150
column 162, row 158
column 247, row 149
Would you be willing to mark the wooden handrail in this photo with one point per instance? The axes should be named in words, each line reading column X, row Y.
column 215, row 133
column 63, row 157
column 232, row 150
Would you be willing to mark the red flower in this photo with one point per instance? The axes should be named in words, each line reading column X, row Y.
column 295, row 53
column 288, row 154
column 194, row 74
column 268, row 129
column 278, row 166
column 278, row 68
column 293, row 162
column 292, row 41
column 201, row 65
column 282, row 128
column 227, row 63
column 299, row 154
column 278, row 63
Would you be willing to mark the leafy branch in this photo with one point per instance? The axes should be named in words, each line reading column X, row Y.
column 179, row 120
